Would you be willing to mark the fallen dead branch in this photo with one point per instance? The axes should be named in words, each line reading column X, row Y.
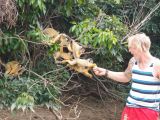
column 8, row 12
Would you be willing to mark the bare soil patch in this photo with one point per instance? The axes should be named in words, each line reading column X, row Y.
column 90, row 108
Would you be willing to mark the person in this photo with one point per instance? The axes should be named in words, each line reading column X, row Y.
column 144, row 73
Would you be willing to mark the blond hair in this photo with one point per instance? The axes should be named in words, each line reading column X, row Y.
column 141, row 41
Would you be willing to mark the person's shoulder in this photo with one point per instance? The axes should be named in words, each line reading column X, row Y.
column 132, row 60
column 157, row 67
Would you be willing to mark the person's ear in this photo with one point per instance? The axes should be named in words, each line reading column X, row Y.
column 143, row 47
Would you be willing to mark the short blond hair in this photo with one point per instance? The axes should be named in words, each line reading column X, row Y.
column 141, row 41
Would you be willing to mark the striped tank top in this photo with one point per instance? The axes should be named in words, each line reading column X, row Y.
column 145, row 89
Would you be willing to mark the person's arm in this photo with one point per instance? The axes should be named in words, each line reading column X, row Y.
column 157, row 69
column 117, row 76
column 122, row 76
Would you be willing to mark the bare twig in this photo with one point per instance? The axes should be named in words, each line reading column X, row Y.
column 8, row 12
column 137, row 27
column 104, row 87
column 57, row 114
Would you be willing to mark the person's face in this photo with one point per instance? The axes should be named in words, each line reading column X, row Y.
column 133, row 49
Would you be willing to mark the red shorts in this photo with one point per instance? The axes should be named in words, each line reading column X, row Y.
column 130, row 113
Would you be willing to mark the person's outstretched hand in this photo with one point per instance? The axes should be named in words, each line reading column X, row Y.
column 99, row 71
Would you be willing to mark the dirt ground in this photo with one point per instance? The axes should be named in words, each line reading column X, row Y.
column 87, row 108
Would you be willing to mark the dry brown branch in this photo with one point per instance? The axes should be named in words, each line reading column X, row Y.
column 106, row 89
column 64, row 89
column 57, row 114
column 137, row 26
column 73, row 113
column 8, row 12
